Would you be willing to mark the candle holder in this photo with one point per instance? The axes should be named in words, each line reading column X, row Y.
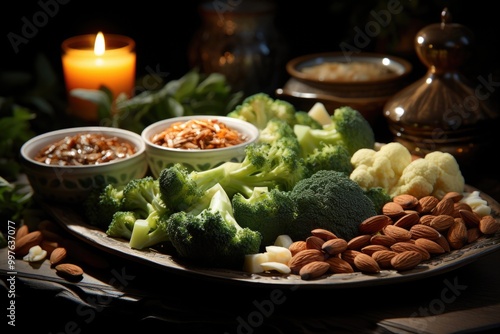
column 83, row 68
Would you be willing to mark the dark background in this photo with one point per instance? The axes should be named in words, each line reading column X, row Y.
column 163, row 33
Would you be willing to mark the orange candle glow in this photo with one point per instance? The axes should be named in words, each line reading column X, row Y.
column 91, row 61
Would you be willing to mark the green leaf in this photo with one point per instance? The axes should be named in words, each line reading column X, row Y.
column 187, row 85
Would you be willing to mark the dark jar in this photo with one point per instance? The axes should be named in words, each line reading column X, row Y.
column 443, row 110
column 239, row 39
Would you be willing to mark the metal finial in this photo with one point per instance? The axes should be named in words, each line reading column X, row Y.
column 445, row 16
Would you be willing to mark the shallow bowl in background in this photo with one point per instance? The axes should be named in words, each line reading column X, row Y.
column 367, row 94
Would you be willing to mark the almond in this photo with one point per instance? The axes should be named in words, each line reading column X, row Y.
column 314, row 242
column 349, row 255
column 408, row 211
column 69, row 270
column 423, row 231
column 334, row 246
column 408, row 220
column 359, row 242
column 444, row 207
column 454, row 195
column 489, row 225
column 370, row 249
column 398, row 233
column 393, row 210
column 406, row 201
column 473, row 234
column 443, row 242
column 431, row 246
column 323, row 234
column 339, row 266
column 406, row 260
column 297, row 246
column 470, row 218
column 426, row 204
column 457, row 234
column 382, row 239
column 441, row 223
column 460, row 206
column 57, row 255
column 22, row 231
column 29, row 240
column 383, row 258
column 366, row 263
column 304, row 257
column 313, row 270
column 426, row 219
column 374, row 224
column 400, row 247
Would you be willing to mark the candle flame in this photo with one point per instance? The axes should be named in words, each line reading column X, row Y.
column 99, row 46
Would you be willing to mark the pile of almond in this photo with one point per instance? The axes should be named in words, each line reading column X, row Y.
column 47, row 243
column 408, row 231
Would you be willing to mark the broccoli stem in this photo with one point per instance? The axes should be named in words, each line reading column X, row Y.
column 143, row 237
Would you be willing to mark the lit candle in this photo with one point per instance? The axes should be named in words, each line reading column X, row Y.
column 91, row 61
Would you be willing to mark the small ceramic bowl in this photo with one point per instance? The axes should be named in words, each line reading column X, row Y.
column 160, row 156
column 363, row 81
column 72, row 183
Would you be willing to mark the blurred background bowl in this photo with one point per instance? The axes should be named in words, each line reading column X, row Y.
column 380, row 77
column 160, row 157
column 72, row 184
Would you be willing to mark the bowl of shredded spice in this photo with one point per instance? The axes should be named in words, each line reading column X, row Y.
column 65, row 165
column 198, row 142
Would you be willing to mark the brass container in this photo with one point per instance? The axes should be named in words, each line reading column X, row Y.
column 444, row 111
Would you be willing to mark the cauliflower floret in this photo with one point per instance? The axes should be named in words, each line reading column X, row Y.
column 393, row 168
column 381, row 168
column 450, row 177
column 418, row 179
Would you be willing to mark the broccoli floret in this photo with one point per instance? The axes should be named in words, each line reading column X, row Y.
column 259, row 108
column 266, row 211
column 179, row 190
column 276, row 166
column 212, row 237
column 121, row 225
column 142, row 202
column 277, row 129
column 143, row 236
column 304, row 118
column 348, row 128
column 331, row 200
column 101, row 204
column 379, row 196
column 143, row 196
column 329, row 157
